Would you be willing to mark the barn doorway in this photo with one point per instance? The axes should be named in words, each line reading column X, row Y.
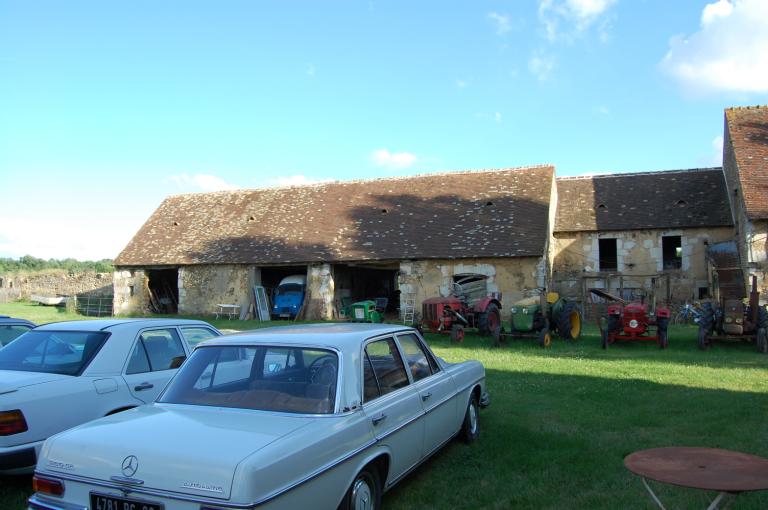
column 358, row 282
column 286, row 301
column 163, row 285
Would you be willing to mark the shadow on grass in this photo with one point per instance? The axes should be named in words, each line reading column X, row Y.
column 556, row 441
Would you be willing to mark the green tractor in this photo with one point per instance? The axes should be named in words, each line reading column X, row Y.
column 535, row 317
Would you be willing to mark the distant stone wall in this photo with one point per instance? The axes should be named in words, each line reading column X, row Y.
column 55, row 284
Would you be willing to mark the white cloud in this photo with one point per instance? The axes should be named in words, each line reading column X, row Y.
column 291, row 180
column 462, row 84
column 201, row 182
column 728, row 54
column 501, row 22
column 497, row 117
column 541, row 66
column 393, row 160
column 94, row 239
column 603, row 110
column 575, row 15
column 311, row 70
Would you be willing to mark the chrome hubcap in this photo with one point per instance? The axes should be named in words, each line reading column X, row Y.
column 473, row 418
column 361, row 495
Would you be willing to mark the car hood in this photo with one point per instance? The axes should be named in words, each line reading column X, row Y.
column 183, row 449
column 12, row 380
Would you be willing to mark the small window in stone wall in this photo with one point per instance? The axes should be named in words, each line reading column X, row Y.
column 607, row 252
column 130, row 290
column 672, row 252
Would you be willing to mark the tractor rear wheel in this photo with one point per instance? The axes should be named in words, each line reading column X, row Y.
column 762, row 341
column 569, row 322
column 489, row 320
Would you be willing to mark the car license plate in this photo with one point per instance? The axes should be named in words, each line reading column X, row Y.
column 285, row 315
column 107, row 502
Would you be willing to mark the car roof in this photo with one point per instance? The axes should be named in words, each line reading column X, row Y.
column 102, row 324
column 342, row 336
column 4, row 319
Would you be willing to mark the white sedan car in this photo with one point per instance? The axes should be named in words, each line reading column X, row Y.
column 63, row 374
column 317, row 416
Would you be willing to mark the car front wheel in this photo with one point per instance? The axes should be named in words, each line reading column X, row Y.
column 365, row 491
column 470, row 429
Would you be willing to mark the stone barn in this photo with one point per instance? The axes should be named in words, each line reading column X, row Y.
column 745, row 163
column 401, row 238
column 639, row 233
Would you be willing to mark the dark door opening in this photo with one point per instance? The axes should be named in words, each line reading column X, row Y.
column 355, row 283
column 163, row 287
column 608, row 255
column 286, row 300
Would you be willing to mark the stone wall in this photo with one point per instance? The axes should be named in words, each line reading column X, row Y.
column 201, row 288
column 513, row 278
column 639, row 258
column 131, row 292
column 55, row 283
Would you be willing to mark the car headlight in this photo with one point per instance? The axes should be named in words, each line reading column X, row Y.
column 513, row 310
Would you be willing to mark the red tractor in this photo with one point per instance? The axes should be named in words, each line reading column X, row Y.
column 632, row 321
column 468, row 306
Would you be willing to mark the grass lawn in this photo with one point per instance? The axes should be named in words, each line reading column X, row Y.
column 561, row 421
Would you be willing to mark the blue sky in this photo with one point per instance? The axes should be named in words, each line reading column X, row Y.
column 106, row 108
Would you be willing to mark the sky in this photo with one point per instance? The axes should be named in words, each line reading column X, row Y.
column 107, row 108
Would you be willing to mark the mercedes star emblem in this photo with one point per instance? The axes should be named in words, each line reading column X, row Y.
column 130, row 465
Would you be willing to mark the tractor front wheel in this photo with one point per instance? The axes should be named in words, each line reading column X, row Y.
column 569, row 322
column 489, row 320
column 662, row 324
column 703, row 337
column 545, row 338
column 762, row 341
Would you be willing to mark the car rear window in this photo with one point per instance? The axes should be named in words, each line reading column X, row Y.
column 264, row 378
column 57, row 352
column 10, row 332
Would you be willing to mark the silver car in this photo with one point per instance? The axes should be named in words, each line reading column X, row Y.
column 63, row 374
column 314, row 416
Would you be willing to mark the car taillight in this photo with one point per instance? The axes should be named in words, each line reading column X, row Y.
column 47, row 485
column 12, row 422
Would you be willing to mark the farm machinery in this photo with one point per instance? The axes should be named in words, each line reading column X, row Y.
column 726, row 317
column 632, row 321
column 469, row 305
column 539, row 317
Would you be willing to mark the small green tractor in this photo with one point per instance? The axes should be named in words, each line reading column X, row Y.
column 537, row 317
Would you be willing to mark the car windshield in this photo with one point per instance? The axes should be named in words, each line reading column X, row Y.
column 56, row 352
column 264, row 378
column 290, row 289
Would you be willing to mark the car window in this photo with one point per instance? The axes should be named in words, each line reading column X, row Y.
column 196, row 334
column 386, row 365
column 10, row 332
column 265, row 378
column 416, row 357
column 59, row 352
column 156, row 350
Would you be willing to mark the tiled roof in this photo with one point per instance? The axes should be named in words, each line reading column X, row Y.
column 670, row 199
column 492, row 213
column 747, row 129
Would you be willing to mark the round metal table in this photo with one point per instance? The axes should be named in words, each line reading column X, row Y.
column 725, row 471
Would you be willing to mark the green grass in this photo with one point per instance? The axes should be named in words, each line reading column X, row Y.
column 562, row 420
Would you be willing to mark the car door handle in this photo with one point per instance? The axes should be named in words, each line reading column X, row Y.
column 144, row 386
column 378, row 419
column 425, row 396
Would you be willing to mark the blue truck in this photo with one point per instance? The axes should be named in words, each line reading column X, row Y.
column 288, row 297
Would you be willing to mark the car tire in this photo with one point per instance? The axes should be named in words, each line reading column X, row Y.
column 365, row 491
column 470, row 429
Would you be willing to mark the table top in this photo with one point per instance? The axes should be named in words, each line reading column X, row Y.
column 701, row 468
